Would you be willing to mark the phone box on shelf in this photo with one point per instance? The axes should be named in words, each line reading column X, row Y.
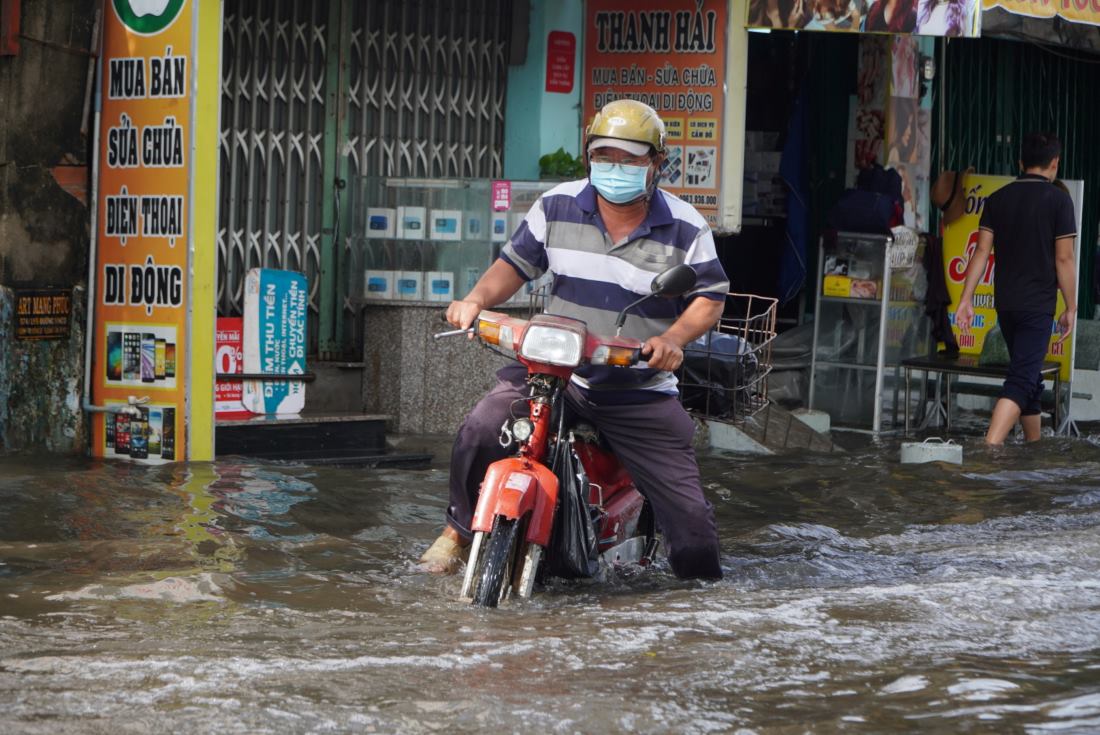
column 475, row 226
column 410, row 223
column 446, row 224
column 848, row 287
column 378, row 284
column 500, row 231
column 381, row 222
column 439, row 286
column 409, row 285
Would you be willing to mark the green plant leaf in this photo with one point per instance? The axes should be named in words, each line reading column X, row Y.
column 561, row 164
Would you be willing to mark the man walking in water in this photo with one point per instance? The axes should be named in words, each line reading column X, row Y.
column 1031, row 224
column 604, row 238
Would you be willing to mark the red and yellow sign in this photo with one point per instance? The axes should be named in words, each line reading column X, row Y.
column 143, row 242
column 960, row 239
column 1078, row 11
column 672, row 56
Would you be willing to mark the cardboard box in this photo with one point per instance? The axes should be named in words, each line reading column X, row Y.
column 445, row 224
column 411, row 223
column 850, row 288
column 476, row 226
column 381, row 222
column 378, row 284
column 409, row 286
column 499, row 224
column 439, row 286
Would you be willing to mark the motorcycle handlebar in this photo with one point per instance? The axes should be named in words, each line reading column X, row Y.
column 453, row 333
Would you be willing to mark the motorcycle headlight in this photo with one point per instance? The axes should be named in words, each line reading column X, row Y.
column 522, row 429
column 542, row 343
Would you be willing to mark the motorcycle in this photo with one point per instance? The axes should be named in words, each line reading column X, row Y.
column 523, row 495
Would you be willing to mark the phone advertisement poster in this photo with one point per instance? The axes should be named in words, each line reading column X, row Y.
column 275, row 313
column 671, row 56
column 960, row 240
column 142, row 211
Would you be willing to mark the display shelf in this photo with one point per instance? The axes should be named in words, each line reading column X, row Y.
column 428, row 240
column 865, row 302
column 847, row 365
column 858, row 336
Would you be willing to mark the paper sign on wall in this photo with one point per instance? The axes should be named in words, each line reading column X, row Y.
column 275, row 311
column 229, row 358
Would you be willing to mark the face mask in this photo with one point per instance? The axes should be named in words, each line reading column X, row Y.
column 618, row 182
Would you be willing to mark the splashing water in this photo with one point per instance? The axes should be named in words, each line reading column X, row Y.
column 861, row 595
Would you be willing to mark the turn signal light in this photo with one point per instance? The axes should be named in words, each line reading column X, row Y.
column 496, row 333
column 616, row 356
column 489, row 331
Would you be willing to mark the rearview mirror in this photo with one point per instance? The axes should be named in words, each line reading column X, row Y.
column 676, row 281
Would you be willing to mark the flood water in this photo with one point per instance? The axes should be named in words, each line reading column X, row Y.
column 861, row 595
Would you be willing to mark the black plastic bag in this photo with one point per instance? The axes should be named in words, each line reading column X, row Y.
column 573, row 551
column 717, row 371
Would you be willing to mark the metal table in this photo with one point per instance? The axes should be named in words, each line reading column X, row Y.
column 968, row 365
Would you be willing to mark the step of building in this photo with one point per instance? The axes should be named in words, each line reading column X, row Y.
column 774, row 430
column 325, row 438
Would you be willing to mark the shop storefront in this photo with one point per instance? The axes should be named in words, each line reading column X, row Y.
column 386, row 151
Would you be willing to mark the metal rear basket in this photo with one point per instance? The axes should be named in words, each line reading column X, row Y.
column 725, row 373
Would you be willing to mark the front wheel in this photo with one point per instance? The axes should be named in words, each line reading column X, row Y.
column 500, row 553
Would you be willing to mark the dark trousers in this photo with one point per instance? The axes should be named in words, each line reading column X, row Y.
column 652, row 440
column 1027, row 335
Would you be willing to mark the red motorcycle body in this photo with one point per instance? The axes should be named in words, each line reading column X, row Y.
column 521, row 493
column 514, row 488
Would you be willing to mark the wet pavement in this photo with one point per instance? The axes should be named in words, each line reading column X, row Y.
column 861, row 595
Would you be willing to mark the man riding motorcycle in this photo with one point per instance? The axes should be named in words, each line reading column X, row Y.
column 604, row 238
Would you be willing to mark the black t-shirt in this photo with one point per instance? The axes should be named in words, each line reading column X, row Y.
column 1026, row 217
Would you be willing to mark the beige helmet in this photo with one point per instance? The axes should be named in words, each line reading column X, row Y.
column 627, row 120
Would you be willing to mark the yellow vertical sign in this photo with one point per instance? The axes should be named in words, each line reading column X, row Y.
column 960, row 239
column 143, row 229
column 204, row 227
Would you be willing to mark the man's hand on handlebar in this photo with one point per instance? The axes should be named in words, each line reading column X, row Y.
column 662, row 353
column 462, row 314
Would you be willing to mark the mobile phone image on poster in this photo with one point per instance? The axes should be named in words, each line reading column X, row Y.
column 156, row 431
column 122, row 433
column 148, row 357
column 139, row 437
column 114, row 355
column 168, row 433
column 131, row 356
column 109, row 426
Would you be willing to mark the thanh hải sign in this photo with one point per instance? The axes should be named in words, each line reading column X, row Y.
column 43, row 314
column 1077, row 11
column 671, row 56
column 142, row 227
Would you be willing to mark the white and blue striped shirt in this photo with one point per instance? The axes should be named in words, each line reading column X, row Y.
column 595, row 278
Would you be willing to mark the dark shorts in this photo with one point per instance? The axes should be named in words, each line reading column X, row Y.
column 1027, row 335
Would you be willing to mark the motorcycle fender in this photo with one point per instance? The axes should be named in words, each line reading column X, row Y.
column 512, row 488
column 621, row 518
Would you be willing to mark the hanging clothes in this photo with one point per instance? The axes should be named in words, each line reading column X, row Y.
column 792, row 169
column 937, row 302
